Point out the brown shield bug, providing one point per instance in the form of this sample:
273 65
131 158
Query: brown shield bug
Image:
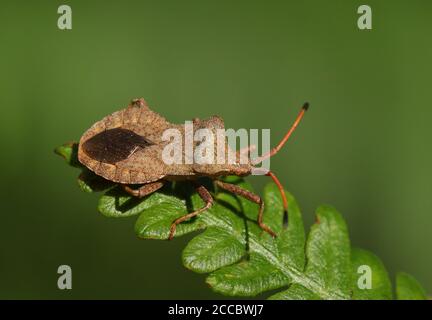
126 147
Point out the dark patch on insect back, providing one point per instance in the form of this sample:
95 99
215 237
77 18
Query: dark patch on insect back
114 145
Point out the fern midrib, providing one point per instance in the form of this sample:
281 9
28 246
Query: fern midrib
296 275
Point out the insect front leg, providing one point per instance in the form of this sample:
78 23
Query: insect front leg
283 196
282 193
251 197
208 199
145 189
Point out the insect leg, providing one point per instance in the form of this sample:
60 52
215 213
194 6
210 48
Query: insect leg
251 197
208 199
284 199
145 189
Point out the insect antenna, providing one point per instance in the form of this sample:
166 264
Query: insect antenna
276 149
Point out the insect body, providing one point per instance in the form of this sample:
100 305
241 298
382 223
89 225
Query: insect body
127 146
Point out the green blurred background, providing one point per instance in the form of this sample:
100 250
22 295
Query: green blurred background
364 147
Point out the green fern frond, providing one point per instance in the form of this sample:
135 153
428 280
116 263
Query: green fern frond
238 257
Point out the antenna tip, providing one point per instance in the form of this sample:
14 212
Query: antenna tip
305 106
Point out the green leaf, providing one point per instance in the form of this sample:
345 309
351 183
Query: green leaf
69 152
291 241
256 274
211 250
116 203
155 220
240 258
328 269
365 264
247 278
408 288
328 252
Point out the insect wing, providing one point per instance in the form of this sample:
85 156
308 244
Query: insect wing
114 145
